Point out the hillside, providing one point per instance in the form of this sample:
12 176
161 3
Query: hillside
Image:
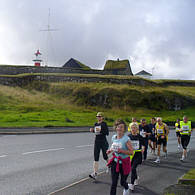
74 104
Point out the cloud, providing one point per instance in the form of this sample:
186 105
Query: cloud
150 34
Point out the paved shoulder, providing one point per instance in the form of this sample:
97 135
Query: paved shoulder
153 178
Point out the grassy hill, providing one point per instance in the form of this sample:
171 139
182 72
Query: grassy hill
75 104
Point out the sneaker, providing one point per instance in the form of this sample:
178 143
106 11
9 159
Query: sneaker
166 154
182 158
126 192
93 176
107 170
131 186
136 182
157 160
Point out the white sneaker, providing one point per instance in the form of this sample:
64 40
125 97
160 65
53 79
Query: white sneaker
178 147
107 170
131 186
157 160
166 154
182 158
126 192
93 176
136 182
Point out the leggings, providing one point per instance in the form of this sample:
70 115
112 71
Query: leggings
146 148
115 177
137 159
100 146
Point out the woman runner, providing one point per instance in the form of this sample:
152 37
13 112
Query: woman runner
138 144
120 162
101 131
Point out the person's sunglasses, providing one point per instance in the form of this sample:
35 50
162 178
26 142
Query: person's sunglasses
98 116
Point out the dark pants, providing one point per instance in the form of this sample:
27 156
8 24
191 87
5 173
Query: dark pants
137 160
100 146
146 148
185 139
115 177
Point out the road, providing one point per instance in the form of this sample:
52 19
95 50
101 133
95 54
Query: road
40 164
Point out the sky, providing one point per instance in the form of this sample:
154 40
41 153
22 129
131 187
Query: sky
155 35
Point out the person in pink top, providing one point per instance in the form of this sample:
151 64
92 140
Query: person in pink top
120 162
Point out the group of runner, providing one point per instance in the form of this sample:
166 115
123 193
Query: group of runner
130 149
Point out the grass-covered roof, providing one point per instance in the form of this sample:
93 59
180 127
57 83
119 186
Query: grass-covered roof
116 64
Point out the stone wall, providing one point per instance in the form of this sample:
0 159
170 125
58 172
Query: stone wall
21 80
15 80
14 70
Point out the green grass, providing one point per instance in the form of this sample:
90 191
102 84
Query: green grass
189 175
54 104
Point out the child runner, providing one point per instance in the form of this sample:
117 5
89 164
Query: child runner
120 162
138 144
101 131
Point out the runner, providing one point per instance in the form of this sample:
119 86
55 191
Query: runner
134 120
120 162
177 128
138 144
101 131
152 138
145 132
161 131
185 131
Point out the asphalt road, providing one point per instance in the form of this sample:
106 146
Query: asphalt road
40 164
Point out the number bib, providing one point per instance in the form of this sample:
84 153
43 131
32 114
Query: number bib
97 130
115 146
185 128
160 131
135 144
142 133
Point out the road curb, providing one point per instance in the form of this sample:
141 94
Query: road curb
73 184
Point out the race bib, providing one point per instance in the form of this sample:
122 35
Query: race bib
135 144
185 128
97 130
160 131
115 146
142 133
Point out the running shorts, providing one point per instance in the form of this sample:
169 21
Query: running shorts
162 141
152 138
185 139
178 134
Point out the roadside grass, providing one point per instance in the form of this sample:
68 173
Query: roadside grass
189 175
52 105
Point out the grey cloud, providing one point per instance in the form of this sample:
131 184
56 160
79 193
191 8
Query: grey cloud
90 31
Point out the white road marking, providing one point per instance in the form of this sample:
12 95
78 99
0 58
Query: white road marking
82 146
73 184
40 151
2 156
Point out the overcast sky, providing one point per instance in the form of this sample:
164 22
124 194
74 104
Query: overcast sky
157 34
